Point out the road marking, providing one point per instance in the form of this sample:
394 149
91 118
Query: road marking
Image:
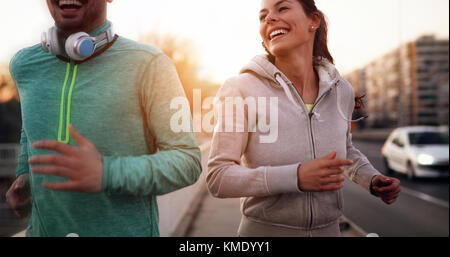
425 197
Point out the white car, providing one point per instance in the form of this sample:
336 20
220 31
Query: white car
417 151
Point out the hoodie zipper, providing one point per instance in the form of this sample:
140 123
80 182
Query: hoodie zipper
310 115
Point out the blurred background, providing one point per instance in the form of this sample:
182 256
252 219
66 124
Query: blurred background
396 52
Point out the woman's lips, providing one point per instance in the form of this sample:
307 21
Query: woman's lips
278 37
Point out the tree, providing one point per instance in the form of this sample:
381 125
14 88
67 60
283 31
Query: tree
10 119
8 90
184 55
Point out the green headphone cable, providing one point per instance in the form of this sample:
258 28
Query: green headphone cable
69 102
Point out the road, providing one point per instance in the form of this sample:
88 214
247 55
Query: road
421 210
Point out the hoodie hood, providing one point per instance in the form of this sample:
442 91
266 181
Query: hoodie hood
260 64
327 72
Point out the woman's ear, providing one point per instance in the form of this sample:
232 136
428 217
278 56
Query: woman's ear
316 20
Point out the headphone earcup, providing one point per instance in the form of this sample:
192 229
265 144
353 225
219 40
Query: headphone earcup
79 46
44 42
50 42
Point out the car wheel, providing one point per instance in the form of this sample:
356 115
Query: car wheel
386 165
411 173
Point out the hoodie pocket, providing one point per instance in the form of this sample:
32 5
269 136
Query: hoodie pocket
287 209
270 204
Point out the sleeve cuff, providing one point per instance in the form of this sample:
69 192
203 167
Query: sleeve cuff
371 188
282 179
106 175
364 176
21 172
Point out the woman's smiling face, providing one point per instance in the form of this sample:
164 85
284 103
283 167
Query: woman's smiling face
284 26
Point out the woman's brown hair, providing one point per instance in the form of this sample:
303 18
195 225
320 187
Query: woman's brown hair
320 41
321 37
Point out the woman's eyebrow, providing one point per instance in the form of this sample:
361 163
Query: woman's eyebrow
281 1
278 3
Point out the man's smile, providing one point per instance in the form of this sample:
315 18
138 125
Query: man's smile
69 8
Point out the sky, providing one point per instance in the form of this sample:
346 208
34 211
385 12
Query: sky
226 32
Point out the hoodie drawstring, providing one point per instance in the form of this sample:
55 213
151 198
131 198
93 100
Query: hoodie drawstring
286 89
338 100
288 93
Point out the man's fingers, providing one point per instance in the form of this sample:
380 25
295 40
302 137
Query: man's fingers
65 186
56 160
18 186
79 139
20 205
53 171
56 146
22 209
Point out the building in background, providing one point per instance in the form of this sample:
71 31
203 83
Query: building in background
407 86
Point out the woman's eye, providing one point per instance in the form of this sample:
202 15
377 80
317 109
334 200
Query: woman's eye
283 9
262 17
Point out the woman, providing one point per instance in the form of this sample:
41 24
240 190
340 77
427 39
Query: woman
292 186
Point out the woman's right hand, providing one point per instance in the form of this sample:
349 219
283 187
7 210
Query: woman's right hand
322 174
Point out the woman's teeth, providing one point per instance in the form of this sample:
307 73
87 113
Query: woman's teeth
277 32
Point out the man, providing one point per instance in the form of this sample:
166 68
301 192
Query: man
102 178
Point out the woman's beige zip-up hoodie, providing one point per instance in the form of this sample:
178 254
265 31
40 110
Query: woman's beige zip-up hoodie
265 175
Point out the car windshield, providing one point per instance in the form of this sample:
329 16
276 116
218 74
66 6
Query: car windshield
428 138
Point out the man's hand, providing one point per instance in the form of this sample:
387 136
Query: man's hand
388 189
322 174
82 166
19 196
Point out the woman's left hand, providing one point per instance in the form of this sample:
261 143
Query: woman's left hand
388 189
83 166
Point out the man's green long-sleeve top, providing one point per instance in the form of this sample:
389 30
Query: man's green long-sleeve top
120 101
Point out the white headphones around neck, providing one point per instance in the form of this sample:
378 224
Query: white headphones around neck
79 46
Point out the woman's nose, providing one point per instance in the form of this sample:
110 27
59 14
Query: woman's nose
271 18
